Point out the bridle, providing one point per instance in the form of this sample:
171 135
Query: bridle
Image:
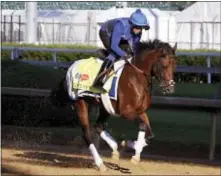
149 77
159 77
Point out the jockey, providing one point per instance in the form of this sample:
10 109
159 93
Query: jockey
120 37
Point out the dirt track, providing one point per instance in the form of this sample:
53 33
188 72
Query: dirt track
57 160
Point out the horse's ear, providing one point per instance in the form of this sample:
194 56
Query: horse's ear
175 48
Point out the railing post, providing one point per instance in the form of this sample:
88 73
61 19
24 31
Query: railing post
12 54
4 29
19 28
11 29
208 74
15 53
213 137
54 56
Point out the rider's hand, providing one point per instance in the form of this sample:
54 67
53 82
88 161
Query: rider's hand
110 57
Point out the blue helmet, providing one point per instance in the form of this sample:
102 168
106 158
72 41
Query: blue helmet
137 18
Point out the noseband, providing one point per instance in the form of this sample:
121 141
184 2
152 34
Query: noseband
159 78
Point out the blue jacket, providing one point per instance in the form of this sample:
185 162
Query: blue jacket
118 29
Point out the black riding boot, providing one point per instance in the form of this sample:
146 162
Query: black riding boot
107 65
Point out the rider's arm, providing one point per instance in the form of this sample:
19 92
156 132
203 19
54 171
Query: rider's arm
116 37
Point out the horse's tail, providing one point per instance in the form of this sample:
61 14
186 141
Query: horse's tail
59 95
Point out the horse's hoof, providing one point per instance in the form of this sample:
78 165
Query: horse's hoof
135 160
115 155
102 168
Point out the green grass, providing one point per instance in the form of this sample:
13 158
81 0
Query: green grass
193 90
16 74
184 126
187 127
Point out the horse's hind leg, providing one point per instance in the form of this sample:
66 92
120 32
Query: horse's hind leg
100 128
82 112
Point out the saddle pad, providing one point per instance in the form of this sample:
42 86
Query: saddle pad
105 96
84 73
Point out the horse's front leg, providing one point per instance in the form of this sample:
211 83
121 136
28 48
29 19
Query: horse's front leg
145 125
145 133
100 128
82 112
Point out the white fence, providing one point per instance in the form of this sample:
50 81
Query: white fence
199 35
82 27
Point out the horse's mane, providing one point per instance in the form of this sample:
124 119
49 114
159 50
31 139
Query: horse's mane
154 44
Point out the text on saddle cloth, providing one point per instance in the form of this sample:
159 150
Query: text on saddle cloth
84 74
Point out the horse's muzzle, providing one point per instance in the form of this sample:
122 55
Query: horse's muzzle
168 88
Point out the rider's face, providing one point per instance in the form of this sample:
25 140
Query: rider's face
137 30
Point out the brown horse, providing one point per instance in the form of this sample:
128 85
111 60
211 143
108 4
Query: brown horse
154 59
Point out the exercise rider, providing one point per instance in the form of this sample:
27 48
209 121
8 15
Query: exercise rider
120 37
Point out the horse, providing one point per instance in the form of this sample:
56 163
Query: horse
153 59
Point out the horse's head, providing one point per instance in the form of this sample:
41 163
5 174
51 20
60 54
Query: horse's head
163 69
159 61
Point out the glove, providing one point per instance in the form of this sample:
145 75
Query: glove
111 57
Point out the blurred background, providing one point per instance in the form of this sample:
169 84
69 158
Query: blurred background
194 25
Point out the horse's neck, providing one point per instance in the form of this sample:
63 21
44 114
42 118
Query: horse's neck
142 64
142 79
142 68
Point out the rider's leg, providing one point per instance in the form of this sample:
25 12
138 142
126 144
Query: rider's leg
105 67
105 39
109 61
107 64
